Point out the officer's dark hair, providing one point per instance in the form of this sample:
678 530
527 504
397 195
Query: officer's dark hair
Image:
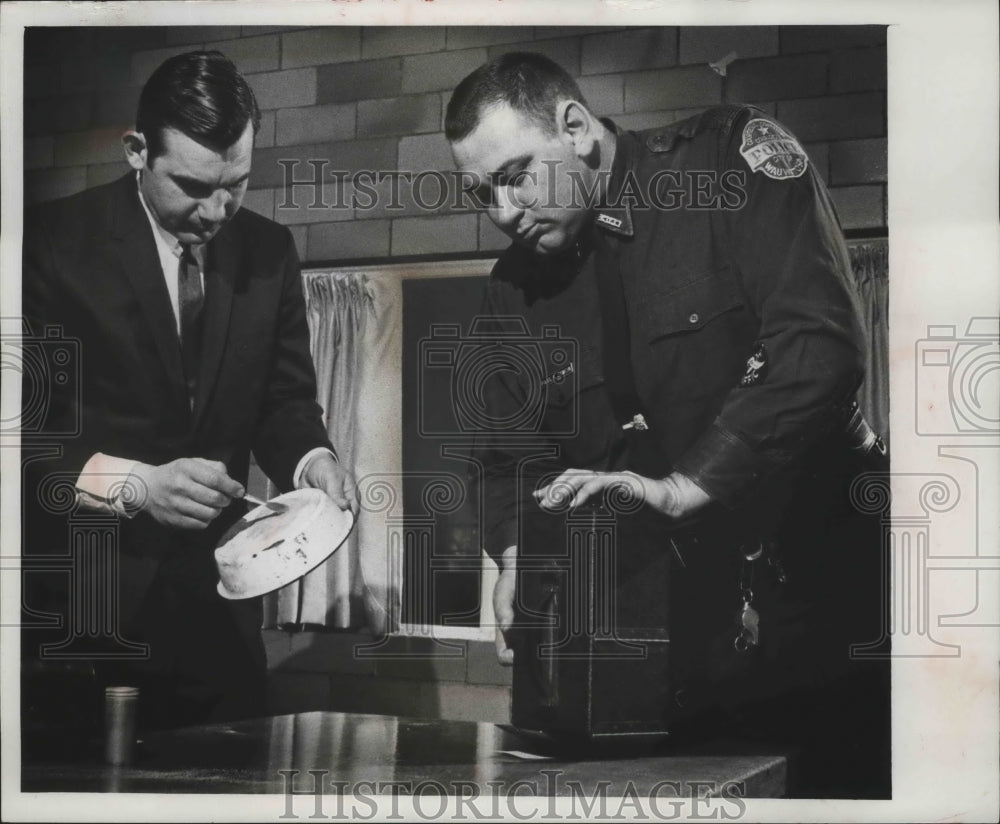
529 83
202 95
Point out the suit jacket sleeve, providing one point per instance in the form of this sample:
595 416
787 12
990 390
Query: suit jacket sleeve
52 407
290 421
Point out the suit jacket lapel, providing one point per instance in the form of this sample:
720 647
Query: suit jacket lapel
136 248
222 269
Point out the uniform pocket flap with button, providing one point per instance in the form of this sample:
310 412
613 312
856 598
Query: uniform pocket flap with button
689 307
584 373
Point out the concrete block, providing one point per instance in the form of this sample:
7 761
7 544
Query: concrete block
641 121
350 240
434 235
300 236
665 89
128 39
465 702
249 31
329 652
860 207
260 201
563 50
114 71
349 156
320 46
387 41
144 63
43 44
43 185
425 152
399 115
193 35
251 54
304 205
277 646
440 70
297 692
42 80
359 81
629 49
777 78
407 699
85 148
314 124
858 70
837 117
706 44
415 658
39 152
51 115
819 157
117 107
824 38
467 37
551 32
483 667
605 93
106 172
276 90
491 239
78 75
265 135
859 161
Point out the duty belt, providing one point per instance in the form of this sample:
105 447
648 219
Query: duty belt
860 436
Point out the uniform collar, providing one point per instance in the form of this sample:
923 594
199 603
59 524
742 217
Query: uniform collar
614 214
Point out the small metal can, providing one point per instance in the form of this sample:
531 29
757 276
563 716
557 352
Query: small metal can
121 705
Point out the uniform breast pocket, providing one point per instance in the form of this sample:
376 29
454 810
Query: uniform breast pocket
569 397
695 335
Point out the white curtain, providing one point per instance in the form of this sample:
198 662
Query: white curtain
355 328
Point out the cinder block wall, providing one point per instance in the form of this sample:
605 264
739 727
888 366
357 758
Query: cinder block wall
374 99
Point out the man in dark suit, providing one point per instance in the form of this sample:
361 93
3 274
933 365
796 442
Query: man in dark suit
194 352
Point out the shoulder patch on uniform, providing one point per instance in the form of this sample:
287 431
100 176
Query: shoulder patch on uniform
768 148
756 369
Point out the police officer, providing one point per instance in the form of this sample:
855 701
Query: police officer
701 272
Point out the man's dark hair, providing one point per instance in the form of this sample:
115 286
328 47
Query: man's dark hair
529 83
202 95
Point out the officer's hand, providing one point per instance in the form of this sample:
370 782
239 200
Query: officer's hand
186 494
675 496
324 472
503 604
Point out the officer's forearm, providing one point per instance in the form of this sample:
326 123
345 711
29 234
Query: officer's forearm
676 496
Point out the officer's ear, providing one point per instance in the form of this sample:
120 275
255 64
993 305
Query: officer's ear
136 149
575 125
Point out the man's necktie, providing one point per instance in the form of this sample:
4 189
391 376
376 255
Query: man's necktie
191 299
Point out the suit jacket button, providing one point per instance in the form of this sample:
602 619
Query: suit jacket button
694 317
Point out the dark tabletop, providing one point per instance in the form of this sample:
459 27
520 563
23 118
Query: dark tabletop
264 755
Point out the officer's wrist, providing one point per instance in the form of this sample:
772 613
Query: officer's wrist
682 496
